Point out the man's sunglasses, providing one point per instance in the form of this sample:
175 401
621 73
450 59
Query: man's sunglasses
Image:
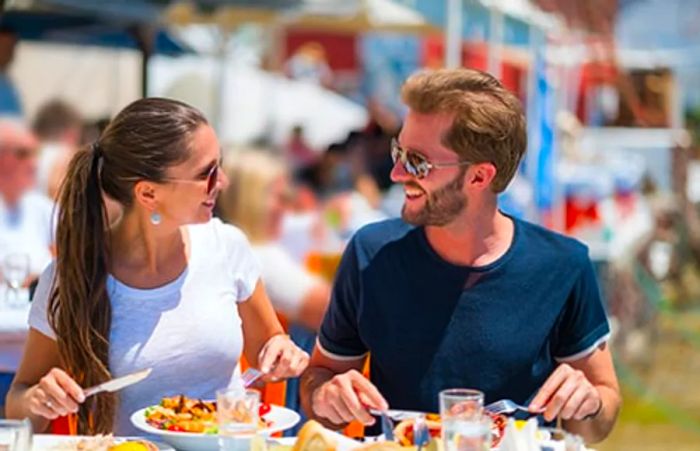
416 164
212 178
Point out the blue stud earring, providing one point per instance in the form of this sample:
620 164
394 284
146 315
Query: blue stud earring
155 218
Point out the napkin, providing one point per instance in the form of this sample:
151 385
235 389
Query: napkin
520 439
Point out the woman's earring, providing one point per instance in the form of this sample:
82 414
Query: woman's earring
155 218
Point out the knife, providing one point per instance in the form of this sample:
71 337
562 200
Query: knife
118 383
396 414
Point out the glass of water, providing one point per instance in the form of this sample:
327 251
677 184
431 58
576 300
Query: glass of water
237 416
467 435
15 435
15 270
464 425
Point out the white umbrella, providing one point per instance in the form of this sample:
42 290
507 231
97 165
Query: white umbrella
256 103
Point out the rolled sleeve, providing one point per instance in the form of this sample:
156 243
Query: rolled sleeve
583 325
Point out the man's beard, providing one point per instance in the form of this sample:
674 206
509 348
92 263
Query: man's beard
441 207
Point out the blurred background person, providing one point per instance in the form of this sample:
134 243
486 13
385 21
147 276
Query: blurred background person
310 63
92 130
25 215
59 128
256 200
298 153
25 225
10 103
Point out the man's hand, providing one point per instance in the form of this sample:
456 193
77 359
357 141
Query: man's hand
568 394
347 397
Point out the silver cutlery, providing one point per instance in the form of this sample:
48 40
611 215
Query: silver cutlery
397 414
510 406
250 375
118 383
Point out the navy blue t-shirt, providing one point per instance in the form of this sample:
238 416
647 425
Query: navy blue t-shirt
431 325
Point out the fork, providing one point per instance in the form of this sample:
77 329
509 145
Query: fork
509 406
249 376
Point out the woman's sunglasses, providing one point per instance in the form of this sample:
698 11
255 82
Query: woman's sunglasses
416 164
212 178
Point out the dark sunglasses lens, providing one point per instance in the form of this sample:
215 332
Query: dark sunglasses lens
213 178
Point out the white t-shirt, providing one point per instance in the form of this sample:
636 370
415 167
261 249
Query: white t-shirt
286 280
188 331
28 228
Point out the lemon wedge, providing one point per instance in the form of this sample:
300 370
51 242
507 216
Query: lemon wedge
129 446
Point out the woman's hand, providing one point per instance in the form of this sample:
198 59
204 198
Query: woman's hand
280 358
55 395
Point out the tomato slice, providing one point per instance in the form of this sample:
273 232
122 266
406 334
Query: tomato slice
264 409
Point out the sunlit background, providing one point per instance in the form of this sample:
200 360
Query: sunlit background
612 94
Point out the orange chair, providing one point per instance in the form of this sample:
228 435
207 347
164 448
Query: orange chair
64 425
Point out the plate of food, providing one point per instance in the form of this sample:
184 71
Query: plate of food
189 424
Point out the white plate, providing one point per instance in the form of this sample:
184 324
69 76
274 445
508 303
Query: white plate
280 417
48 442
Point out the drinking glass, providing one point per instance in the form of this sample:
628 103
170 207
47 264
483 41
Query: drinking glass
15 270
467 435
237 415
15 435
464 425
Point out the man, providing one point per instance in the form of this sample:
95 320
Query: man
456 294
25 224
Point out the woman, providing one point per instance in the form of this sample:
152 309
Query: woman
164 287
256 201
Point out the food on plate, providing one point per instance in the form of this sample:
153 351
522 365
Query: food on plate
404 430
183 414
106 443
498 428
134 445
314 437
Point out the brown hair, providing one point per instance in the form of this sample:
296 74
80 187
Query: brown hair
54 118
488 120
142 141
